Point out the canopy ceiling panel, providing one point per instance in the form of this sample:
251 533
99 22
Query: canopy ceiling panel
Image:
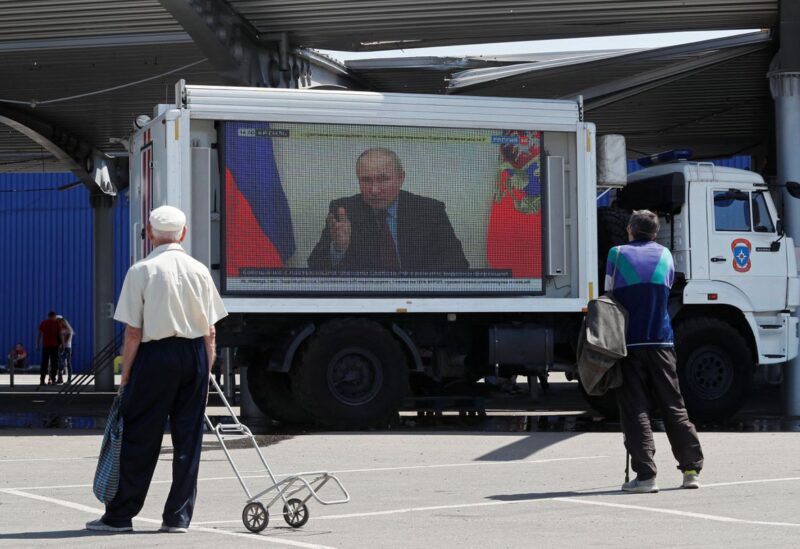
363 25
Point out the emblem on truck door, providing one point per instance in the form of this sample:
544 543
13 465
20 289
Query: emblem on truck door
741 248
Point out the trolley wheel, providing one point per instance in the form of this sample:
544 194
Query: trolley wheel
255 516
295 512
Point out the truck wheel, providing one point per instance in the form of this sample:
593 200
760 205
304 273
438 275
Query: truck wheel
272 393
352 374
611 231
715 368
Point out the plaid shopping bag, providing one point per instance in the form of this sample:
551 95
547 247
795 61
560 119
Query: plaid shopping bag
106 477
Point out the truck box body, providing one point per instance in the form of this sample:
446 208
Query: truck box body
506 172
370 246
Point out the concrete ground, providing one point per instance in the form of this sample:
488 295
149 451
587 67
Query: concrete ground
425 489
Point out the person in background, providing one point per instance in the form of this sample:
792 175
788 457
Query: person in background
48 340
640 274
17 360
169 305
65 349
18 357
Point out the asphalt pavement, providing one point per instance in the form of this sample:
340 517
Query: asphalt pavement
423 489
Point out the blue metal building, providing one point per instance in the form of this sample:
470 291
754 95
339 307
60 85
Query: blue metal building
46 251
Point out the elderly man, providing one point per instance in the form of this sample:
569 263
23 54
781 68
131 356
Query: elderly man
384 228
641 274
169 304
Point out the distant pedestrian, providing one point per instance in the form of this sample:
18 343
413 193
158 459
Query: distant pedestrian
65 350
641 274
48 340
169 304
17 360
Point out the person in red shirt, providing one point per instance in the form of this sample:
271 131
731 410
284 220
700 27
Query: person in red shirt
48 339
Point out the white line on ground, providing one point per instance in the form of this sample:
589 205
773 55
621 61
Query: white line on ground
373 470
704 516
734 483
98 512
570 499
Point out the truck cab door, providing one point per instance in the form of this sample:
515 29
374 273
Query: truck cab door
741 232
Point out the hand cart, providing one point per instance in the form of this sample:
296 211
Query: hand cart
305 486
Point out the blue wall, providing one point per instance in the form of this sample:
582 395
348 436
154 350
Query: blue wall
741 162
46 253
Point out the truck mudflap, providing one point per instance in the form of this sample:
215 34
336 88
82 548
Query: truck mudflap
793 338
776 337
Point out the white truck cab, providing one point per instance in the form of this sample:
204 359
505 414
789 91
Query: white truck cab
736 277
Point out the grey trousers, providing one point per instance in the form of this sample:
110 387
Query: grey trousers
650 380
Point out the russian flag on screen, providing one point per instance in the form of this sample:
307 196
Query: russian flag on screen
514 238
258 222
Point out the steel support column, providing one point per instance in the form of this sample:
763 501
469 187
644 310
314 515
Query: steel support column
103 282
784 79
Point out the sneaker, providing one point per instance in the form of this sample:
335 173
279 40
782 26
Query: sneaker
690 479
98 525
173 529
637 486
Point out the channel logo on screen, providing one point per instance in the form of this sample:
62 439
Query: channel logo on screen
507 140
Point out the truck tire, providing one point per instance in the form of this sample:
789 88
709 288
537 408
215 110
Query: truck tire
715 368
272 393
352 374
612 231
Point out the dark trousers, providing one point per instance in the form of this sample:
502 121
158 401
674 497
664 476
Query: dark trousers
169 380
65 364
49 365
649 379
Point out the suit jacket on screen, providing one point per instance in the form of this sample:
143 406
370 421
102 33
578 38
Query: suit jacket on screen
425 239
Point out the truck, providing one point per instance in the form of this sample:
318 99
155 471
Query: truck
374 246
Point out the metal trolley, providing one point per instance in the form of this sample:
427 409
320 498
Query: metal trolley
304 486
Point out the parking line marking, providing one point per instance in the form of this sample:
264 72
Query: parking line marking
736 482
517 502
98 511
373 470
469 464
689 514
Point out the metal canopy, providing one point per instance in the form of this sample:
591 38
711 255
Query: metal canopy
364 25
711 96
52 49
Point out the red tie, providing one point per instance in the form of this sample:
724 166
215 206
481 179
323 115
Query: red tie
387 249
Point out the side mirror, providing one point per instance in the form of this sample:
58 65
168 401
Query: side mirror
794 188
779 227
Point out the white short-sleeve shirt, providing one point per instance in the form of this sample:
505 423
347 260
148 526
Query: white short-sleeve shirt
169 294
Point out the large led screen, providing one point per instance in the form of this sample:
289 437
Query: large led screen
380 210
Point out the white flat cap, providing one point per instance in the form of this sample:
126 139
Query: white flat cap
167 219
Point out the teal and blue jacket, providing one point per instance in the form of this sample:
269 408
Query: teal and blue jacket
641 274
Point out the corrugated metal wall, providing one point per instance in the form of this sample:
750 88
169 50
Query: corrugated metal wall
46 253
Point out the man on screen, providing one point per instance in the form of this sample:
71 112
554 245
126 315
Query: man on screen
384 228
